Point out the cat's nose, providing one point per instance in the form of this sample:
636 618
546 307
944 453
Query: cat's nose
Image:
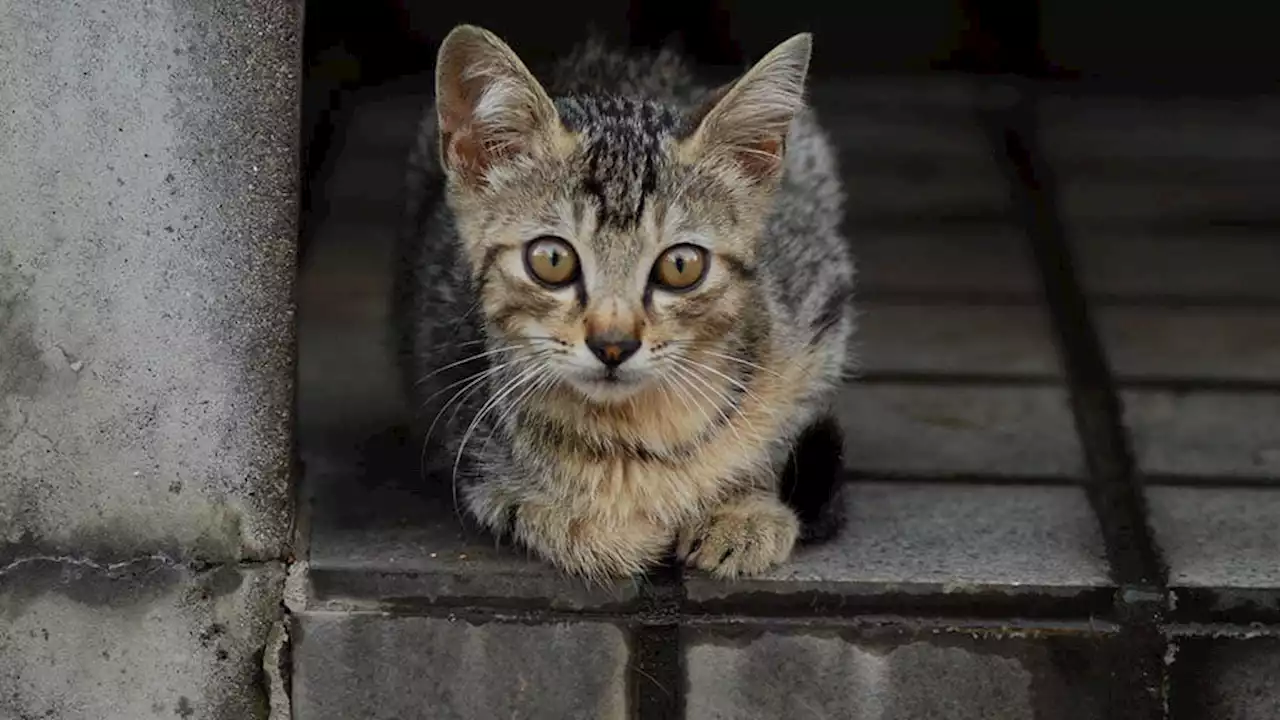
612 348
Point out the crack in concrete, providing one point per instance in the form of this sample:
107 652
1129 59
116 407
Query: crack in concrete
86 562
154 558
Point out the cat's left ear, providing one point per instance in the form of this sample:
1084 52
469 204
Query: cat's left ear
490 107
748 122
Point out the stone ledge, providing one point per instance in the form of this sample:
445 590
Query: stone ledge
937 545
385 538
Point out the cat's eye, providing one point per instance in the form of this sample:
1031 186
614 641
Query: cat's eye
680 268
551 261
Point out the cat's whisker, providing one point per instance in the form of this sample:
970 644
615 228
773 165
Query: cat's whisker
479 374
667 386
664 384
733 381
474 388
469 359
542 385
694 373
718 407
500 395
731 358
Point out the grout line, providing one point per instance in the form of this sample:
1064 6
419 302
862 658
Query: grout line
656 668
945 378
1115 491
1121 381
862 476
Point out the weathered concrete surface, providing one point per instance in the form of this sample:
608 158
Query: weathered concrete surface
134 641
372 666
147 187
749 674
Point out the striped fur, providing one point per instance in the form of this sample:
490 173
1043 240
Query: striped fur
622 157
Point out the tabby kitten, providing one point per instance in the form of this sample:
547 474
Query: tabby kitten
624 306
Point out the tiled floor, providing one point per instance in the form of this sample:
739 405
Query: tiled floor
1065 509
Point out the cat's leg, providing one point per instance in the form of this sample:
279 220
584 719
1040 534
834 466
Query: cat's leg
573 536
590 545
755 531
746 535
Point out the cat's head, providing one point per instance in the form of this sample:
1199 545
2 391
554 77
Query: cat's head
614 240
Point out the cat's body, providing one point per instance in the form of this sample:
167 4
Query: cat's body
616 187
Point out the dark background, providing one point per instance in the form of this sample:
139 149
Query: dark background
1132 47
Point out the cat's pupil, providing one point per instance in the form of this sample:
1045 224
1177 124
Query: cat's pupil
680 265
555 258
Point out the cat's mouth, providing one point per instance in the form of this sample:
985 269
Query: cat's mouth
609 384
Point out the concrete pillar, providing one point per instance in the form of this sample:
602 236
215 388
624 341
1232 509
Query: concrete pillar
148 185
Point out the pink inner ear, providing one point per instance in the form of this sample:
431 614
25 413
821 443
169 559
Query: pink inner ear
762 159
466 152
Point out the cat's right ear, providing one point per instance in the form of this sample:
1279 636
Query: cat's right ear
490 107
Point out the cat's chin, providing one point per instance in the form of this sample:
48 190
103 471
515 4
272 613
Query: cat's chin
608 390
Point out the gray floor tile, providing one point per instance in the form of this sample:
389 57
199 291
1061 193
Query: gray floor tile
1206 266
1226 537
1120 128
990 260
377 667
1018 431
785 674
923 538
1161 198
1192 343
980 339
913 190
1205 433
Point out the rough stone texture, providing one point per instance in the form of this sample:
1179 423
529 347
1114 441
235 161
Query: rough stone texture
1226 679
380 533
953 538
1190 342
146 268
134 641
377 667
1178 264
783 675
1003 340
1218 537
1205 433
933 429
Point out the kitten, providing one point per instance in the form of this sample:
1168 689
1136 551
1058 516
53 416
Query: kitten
623 306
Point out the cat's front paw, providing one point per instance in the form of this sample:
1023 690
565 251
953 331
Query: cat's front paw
745 536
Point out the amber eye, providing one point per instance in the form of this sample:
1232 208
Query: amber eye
551 261
680 268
